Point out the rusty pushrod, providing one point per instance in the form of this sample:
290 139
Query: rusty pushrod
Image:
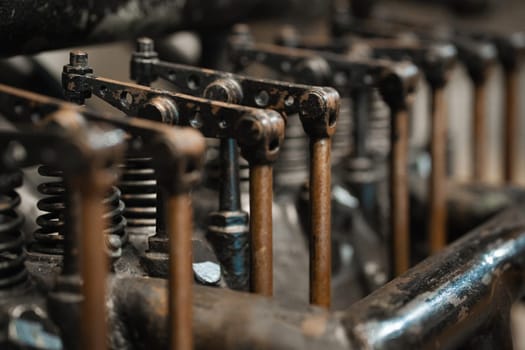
261 182
438 175
179 218
94 266
320 226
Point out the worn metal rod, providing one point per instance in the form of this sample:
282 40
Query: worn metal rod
261 183
479 131
320 214
438 175
399 206
511 124
179 218
94 267
229 193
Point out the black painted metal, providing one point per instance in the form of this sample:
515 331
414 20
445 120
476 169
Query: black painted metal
32 26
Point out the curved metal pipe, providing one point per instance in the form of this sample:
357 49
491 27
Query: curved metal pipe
460 295
450 297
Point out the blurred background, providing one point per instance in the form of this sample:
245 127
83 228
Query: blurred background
266 18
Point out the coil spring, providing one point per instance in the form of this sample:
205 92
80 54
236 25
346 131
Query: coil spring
291 168
341 142
139 193
116 233
379 138
50 236
12 251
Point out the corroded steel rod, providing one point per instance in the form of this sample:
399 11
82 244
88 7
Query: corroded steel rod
261 182
320 240
438 176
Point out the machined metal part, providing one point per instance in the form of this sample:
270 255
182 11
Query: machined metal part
396 82
477 55
316 106
259 134
84 160
165 287
436 62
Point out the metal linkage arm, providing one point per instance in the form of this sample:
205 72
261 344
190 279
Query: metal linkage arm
436 62
478 56
396 82
259 134
319 126
316 106
212 118
284 97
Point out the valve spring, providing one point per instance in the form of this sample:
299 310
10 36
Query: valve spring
12 250
341 142
139 193
49 237
291 167
379 140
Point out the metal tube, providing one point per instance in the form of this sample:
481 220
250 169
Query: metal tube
479 131
320 215
179 219
229 196
261 182
438 176
461 294
399 211
94 267
511 124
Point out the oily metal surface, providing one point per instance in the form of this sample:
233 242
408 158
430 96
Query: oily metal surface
457 295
